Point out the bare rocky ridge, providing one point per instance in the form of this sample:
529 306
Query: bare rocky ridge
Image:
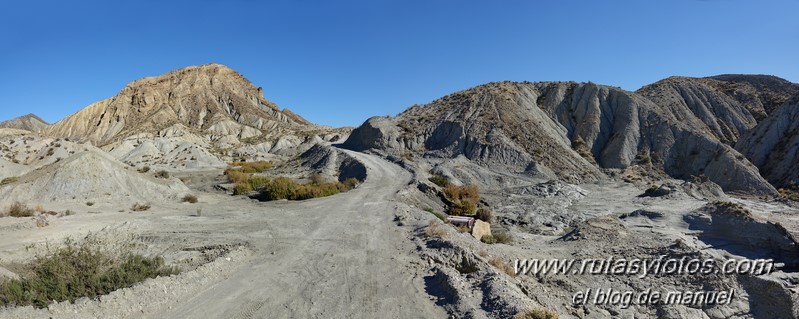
773 145
559 130
725 106
28 122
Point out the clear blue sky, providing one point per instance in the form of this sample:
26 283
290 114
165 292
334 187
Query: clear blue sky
340 62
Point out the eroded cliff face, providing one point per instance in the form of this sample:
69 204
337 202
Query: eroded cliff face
726 106
204 98
773 145
562 128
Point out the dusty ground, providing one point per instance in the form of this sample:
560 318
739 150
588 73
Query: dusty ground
335 257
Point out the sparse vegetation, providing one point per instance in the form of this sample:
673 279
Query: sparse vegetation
89 203
18 209
497 238
582 148
464 199
144 169
485 215
9 180
538 313
162 174
434 229
502 266
75 271
438 215
439 180
190 198
251 167
790 192
285 188
140 207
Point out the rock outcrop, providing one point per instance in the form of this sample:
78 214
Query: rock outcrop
28 122
565 129
209 99
773 145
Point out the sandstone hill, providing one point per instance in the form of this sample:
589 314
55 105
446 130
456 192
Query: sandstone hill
725 106
28 122
564 129
210 99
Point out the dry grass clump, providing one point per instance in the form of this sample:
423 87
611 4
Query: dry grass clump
730 208
538 313
76 271
502 266
464 199
435 229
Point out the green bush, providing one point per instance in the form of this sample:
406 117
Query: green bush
77 271
279 188
144 169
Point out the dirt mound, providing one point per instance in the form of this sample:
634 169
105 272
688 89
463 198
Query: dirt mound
89 175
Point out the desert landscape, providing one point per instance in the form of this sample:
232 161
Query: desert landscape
191 195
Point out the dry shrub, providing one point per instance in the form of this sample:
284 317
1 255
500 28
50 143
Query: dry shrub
236 176
503 266
485 215
190 198
18 210
285 188
252 167
464 199
435 229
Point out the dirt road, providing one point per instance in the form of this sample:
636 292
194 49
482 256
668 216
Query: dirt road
335 257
